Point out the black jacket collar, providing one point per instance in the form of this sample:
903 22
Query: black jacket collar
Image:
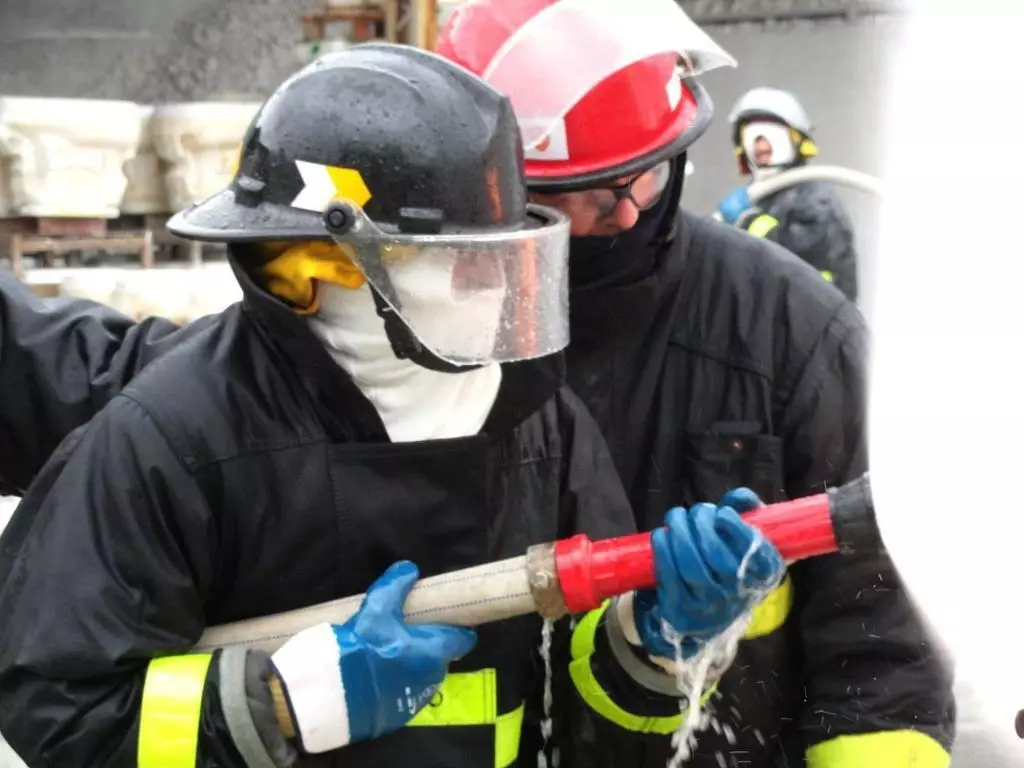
601 314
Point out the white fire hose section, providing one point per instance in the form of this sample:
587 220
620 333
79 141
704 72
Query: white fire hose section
844 177
467 598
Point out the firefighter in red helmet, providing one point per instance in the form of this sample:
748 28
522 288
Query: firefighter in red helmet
711 359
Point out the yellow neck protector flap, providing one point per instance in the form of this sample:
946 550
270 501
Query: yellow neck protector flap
293 275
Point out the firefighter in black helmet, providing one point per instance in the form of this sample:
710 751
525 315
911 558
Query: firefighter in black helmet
388 392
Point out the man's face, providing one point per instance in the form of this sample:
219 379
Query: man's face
762 151
611 209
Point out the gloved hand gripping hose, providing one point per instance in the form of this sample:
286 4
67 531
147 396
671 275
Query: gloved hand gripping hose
576 575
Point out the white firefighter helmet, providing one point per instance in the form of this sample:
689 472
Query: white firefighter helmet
771 103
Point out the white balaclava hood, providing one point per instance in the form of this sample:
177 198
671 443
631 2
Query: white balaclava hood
413 402
760 135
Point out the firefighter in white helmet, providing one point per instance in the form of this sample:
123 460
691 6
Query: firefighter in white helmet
771 133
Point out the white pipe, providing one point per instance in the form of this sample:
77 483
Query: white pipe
844 177
469 597
835 174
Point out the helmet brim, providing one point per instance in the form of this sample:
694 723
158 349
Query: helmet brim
221 218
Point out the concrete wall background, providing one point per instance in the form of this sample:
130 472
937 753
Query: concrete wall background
148 50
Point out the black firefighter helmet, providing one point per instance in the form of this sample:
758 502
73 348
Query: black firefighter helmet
414 166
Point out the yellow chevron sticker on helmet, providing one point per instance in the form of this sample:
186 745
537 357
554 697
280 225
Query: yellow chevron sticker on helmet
324 183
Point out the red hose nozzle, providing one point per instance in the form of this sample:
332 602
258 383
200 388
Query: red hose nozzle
841 520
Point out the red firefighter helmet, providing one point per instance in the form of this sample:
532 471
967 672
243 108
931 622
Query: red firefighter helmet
602 89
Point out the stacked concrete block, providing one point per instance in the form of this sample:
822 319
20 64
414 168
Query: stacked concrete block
99 159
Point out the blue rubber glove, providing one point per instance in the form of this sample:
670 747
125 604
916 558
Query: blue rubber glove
370 675
734 204
697 557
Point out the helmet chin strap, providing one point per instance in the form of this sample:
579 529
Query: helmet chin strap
406 346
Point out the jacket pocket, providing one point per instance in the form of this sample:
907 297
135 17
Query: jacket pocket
727 456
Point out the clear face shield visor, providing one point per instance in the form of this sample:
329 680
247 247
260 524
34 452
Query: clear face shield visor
576 44
472 298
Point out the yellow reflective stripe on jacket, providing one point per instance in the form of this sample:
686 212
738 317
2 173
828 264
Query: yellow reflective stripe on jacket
172 702
765 223
595 697
883 749
471 698
772 612
762 225
506 737
464 698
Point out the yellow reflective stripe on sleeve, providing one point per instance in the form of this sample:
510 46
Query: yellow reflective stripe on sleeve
506 737
772 612
172 702
471 698
762 225
595 697
884 749
585 634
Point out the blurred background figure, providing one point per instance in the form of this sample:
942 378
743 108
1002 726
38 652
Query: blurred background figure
771 133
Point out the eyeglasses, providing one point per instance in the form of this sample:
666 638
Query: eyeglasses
644 190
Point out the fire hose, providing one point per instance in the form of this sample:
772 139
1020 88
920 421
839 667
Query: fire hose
576 575
844 177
